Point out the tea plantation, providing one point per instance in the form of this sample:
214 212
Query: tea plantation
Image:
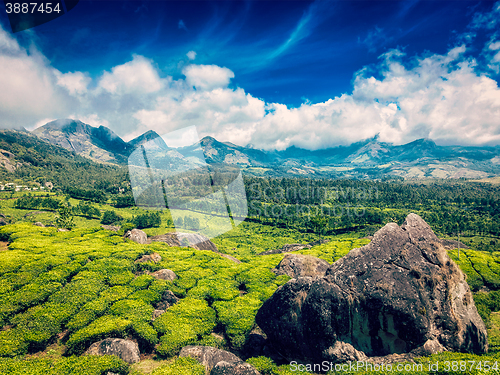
60 291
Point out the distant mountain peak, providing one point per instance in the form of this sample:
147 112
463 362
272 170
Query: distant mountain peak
100 144
143 138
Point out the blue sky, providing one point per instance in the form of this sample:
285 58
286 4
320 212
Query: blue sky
312 74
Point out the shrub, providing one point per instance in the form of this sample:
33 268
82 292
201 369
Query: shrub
264 365
86 365
181 366
88 313
147 335
238 317
141 282
105 326
12 343
126 227
183 324
133 309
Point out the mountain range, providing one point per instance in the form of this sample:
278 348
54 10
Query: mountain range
369 158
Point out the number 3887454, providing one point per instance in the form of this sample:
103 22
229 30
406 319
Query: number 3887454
32 8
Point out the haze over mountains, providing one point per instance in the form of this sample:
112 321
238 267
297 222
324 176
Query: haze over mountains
369 158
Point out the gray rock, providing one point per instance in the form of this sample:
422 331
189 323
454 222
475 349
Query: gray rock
255 343
401 293
167 299
208 356
127 350
230 368
3 221
453 244
164 274
157 314
155 257
114 228
286 249
295 265
136 235
194 240
318 242
39 224
231 258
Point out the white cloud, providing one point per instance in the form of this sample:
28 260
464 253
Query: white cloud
191 55
136 76
75 83
91 119
207 77
441 97
29 90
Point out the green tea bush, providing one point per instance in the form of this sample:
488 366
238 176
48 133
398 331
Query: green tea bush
215 289
142 282
133 309
146 335
91 311
184 323
34 293
40 323
147 296
86 365
12 343
105 326
116 293
181 366
264 365
238 317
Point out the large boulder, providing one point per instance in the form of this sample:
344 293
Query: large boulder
137 235
295 265
195 240
401 293
125 349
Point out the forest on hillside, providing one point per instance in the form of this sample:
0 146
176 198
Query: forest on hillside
63 290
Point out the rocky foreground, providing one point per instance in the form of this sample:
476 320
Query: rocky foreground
400 294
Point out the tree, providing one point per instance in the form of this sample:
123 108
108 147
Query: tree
319 224
110 217
65 218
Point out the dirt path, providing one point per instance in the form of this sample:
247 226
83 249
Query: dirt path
3 246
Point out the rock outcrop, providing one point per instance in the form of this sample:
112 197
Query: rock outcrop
137 235
125 349
208 356
218 361
296 265
231 368
453 244
401 293
286 249
195 240
167 299
164 274
155 257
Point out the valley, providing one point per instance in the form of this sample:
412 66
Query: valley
70 277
